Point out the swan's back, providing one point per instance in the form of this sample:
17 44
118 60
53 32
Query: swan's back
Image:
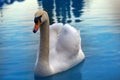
55 30
65 48
68 40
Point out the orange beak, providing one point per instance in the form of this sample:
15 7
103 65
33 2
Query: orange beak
36 27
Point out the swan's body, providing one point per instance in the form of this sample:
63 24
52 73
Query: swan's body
60 48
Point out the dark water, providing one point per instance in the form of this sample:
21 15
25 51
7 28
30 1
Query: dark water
98 20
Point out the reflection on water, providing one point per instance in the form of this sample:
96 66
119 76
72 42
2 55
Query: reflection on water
6 2
72 74
16 41
98 20
65 11
3 2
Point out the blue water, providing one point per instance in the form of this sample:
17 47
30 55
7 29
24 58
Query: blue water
98 20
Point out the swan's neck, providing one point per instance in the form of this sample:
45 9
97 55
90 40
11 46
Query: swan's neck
44 42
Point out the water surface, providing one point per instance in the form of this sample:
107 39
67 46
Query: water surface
98 21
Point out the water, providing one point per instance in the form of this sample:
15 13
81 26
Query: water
98 20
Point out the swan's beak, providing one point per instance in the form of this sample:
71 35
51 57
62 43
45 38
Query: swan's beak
36 27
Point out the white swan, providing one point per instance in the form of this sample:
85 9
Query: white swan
60 46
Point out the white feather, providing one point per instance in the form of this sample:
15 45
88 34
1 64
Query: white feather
65 47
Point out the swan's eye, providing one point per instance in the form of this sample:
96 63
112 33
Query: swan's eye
37 18
35 21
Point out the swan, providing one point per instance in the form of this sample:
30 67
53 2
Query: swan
60 46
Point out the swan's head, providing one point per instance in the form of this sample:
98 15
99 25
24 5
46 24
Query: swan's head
41 16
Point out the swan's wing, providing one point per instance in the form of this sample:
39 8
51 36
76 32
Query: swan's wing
68 43
65 51
55 29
